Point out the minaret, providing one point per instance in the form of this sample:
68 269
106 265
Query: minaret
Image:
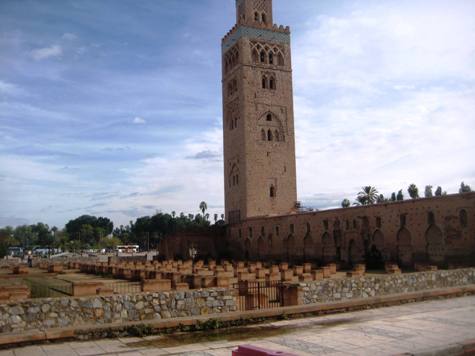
258 115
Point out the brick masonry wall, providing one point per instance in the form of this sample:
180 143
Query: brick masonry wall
340 235
41 314
333 290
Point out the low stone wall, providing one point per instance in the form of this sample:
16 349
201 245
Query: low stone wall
332 290
42 314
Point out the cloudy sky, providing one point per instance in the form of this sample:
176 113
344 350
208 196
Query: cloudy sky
113 108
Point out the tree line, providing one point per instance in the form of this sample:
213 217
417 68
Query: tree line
369 195
90 232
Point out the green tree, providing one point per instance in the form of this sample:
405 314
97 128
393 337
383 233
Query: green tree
464 188
6 240
400 196
428 191
438 191
109 243
413 191
381 199
94 230
345 203
25 235
367 196
393 196
203 207
44 234
61 240
86 235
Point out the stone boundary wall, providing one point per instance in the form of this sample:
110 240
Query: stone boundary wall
50 313
332 290
42 314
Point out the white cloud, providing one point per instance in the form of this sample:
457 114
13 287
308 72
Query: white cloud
384 97
47 52
139 121
11 89
69 36
174 182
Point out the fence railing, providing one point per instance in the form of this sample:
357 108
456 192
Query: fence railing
49 288
260 295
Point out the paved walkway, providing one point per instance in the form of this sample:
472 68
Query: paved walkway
419 328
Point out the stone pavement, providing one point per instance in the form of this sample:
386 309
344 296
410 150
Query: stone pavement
433 327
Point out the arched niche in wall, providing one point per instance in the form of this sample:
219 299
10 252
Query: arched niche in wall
289 245
328 248
404 248
247 249
375 258
435 245
261 248
308 247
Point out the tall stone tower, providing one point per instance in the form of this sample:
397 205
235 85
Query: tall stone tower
258 115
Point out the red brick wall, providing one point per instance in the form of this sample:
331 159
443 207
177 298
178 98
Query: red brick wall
434 231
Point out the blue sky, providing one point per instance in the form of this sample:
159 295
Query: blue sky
114 107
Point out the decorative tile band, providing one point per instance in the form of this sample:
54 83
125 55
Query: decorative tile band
255 34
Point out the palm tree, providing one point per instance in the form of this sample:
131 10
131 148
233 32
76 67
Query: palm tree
203 207
345 203
367 196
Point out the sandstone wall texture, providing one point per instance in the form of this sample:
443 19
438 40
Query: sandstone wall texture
49 313
42 314
333 290
439 231
258 115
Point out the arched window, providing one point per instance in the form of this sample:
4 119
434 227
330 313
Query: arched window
264 82
277 136
263 56
269 135
256 16
255 56
271 57
463 218
235 122
280 59
264 18
272 191
269 117
237 179
263 135
272 83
